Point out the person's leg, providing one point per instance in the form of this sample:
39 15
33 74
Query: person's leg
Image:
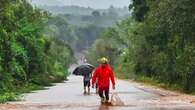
100 92
88 87
85 84
88 90
96 88
107 94
85 91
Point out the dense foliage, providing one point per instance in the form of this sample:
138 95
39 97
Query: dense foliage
157 41
59 27
27 57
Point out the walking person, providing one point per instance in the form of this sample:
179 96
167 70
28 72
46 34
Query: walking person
103 74
85 70
86 82
86 78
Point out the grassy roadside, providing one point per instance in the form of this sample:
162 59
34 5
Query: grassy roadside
150 81
15 94
157 83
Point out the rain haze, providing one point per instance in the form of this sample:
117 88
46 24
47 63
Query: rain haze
97 4
100 14
97 55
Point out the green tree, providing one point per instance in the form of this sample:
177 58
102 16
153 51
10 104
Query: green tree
139 9
25 52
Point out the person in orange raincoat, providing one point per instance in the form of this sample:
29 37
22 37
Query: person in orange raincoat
103 74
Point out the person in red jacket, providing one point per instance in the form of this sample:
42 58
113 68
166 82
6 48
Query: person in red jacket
103 74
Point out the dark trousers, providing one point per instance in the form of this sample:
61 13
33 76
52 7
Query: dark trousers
104 92
86 83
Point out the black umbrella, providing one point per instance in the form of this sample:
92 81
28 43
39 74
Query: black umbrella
85 69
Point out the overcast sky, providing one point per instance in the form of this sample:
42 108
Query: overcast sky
85 3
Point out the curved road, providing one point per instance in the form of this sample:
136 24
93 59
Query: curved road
68 96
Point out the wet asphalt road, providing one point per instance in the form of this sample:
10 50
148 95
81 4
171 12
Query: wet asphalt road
69 96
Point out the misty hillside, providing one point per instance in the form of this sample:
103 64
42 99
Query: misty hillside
81 16
77 10
79 26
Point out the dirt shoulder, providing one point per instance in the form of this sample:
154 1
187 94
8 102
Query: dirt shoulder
165 95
